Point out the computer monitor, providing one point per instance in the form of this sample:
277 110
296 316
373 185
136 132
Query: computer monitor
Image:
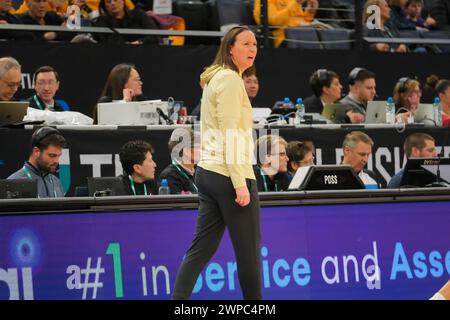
105 186
13 111
422 172
376 112
326 177
18 188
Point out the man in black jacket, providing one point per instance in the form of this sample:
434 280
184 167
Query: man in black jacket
38 14
326 88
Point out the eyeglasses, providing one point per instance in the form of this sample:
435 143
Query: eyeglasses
13 85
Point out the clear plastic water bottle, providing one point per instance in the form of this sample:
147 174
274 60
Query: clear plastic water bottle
437 108
390 111
300 112
164 188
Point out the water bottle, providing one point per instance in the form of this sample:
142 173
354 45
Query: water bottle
175 113
287 103
300 112
390 111
164 188
437 112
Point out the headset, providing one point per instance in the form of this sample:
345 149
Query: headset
402 82
42 133
322 75
353 75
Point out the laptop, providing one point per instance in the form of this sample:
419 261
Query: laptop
18 188
131 113
13 111
425 114
376 112
335 112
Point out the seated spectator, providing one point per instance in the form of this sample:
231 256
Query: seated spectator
300 154
39 14
184 148
398 16
362 90
137 162
251 84
407 96
10 78
443 90
6 17
46 149
46 84
440 11
164 21
326 88
413 9
114 14
286 13
416 145
123 84
60 6
271 171
357 147
383 30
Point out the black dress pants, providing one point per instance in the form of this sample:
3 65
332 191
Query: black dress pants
217 210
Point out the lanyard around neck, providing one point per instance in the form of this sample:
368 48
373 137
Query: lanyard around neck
266 188
38 103
133 187
28 173
184 174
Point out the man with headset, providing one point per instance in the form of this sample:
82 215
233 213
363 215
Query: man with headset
362 90
326 88
42 165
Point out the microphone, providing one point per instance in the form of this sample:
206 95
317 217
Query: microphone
164 116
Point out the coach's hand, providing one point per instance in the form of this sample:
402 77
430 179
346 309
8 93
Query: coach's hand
242 196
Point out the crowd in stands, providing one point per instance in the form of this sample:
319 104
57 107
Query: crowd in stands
392 18
111 14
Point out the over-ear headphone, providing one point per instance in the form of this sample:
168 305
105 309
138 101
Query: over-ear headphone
322 75
353 75
402 84
42 133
